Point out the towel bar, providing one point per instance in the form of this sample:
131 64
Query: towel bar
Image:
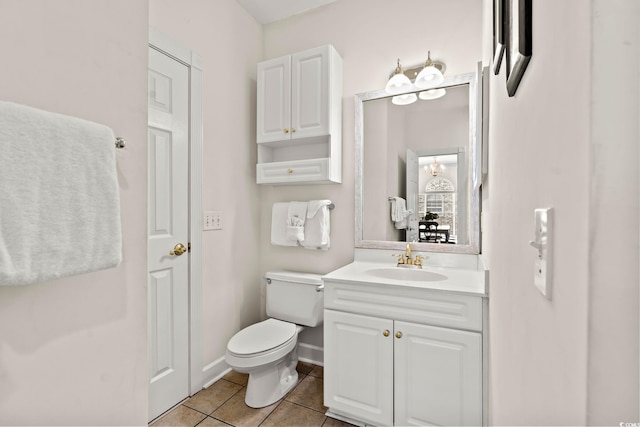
120 142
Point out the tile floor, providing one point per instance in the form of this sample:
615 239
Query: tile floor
222 404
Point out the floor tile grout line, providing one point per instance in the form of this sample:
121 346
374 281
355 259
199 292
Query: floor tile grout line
272 411
218 407
306 407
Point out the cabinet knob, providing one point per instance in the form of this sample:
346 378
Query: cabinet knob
285 130
293 129
386 333
289 170
398 334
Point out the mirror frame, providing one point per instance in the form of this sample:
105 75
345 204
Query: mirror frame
475 132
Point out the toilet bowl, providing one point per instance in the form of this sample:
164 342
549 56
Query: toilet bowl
267 350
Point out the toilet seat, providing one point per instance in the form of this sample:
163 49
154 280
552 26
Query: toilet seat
261 343
261 337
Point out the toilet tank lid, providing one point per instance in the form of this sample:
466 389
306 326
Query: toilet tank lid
295 276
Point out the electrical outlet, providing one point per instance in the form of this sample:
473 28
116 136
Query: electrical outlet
212 220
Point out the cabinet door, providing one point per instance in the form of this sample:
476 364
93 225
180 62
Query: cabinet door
274 100
310 93
358 366
438 376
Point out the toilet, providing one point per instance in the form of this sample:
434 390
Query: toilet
267 350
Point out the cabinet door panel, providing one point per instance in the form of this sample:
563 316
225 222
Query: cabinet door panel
310 93
438 376
358 366
274 100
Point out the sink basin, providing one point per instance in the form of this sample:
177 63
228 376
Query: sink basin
413 275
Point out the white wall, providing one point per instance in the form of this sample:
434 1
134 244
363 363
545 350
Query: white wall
230 44
614 188
74 351
369 41
560 142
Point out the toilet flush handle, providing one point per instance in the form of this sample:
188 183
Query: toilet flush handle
320 288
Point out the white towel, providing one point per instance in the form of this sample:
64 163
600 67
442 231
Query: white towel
60 202
399 212
279 214
317 228
296 215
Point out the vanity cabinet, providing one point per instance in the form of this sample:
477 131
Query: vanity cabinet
299 118
403 358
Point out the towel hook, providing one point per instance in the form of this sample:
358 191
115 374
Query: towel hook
120 142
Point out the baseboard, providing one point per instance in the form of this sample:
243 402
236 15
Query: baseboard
311 354
214 371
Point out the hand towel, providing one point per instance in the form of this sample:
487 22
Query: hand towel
60 209
317 228
279 215
296 215
399 212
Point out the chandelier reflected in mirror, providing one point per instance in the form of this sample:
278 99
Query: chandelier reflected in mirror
435 168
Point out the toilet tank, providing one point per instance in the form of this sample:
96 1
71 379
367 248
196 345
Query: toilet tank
295 297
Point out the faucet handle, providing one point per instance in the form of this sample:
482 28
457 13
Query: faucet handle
400 258
418 260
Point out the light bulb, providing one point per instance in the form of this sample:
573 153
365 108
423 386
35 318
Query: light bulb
406 99
429 77
432 94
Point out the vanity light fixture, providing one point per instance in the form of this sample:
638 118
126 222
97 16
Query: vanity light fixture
399 82
432 94
406 99
431 75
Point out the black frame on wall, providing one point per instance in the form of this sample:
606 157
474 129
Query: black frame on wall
512 38
499 31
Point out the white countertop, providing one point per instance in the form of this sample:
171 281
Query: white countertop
465 280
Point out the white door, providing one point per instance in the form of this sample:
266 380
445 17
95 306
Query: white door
358 366
438 376
168 305
413 175
274 100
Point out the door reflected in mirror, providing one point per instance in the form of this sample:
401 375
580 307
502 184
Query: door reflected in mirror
437 212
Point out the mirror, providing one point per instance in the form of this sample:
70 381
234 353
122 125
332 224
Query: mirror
424 157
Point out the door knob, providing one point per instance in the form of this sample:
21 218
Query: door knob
178 250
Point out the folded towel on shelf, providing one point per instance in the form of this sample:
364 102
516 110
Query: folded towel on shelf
296 216
399 212
60 210
318 225
279 216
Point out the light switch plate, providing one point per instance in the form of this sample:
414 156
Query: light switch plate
543 242
212 220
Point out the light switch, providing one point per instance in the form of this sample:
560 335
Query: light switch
543 243
212 220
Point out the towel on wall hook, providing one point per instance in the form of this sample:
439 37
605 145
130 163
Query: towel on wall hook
60 210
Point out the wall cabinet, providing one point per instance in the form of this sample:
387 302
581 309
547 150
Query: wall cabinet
299 118
394 359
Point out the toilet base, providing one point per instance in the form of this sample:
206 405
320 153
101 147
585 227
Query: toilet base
268 385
